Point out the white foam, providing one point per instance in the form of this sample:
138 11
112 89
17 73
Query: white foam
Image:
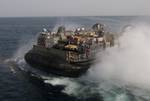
71 87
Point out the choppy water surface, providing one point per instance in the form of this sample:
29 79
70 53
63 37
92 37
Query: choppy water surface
121 74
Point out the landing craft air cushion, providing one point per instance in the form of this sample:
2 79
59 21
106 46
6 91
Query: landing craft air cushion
68 53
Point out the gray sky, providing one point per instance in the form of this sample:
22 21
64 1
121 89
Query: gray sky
13 8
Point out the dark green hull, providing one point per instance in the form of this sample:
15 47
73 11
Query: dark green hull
54 61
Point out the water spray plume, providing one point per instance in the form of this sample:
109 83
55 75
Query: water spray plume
128 64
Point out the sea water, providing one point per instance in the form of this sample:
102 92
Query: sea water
120 74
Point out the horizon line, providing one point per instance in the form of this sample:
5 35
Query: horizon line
74 16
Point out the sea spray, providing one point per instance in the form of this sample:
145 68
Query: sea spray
25 47
128 63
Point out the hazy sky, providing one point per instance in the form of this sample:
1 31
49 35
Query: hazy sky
73 7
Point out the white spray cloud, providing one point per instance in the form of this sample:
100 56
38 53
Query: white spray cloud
128 64
23 48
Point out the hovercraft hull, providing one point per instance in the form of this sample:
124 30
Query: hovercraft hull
54 61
